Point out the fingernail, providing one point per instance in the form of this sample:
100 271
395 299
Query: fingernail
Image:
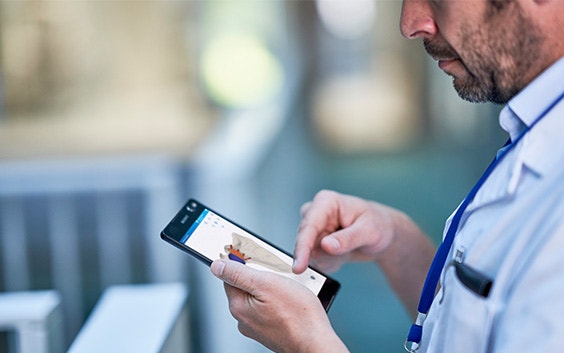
217 268
332 243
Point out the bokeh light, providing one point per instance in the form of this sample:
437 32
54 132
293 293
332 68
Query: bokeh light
238 70
347 19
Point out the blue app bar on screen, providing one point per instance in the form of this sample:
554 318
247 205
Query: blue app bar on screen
194 226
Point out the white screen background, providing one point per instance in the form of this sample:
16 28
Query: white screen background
214 233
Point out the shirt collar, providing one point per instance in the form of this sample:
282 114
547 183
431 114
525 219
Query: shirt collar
527 106
534 153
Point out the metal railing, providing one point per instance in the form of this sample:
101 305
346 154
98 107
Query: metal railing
80 226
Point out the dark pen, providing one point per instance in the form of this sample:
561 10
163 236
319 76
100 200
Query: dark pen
472 279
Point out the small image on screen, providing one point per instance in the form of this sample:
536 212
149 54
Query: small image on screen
215 238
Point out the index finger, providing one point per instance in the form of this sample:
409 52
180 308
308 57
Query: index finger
314 225
305 242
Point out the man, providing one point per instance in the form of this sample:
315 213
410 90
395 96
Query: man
509 231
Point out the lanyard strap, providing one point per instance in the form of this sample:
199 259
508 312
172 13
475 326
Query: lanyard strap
432 280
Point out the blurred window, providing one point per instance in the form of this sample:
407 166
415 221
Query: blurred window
368 90
100 77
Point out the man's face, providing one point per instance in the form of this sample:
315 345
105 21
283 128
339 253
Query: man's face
488 49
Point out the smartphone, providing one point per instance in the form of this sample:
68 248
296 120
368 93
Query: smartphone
207 235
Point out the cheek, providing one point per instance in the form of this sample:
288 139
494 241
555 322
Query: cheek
476 49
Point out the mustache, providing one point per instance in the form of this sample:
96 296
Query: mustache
439 50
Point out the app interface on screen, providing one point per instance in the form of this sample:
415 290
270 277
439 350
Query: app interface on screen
214 237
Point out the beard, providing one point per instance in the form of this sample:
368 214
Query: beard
497 55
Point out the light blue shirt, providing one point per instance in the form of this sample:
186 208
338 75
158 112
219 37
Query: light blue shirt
513 232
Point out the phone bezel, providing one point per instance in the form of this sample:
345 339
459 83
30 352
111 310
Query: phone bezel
189 213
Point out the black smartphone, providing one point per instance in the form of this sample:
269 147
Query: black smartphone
207 235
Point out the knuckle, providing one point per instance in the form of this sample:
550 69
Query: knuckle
305 225
234 271
324 194
305 208
235 275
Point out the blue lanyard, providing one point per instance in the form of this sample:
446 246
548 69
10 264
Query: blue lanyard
432 280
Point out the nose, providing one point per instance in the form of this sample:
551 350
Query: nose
417 19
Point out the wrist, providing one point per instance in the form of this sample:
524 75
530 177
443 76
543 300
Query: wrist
406 260
402 233
325 343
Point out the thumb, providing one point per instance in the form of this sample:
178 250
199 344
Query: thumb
235 274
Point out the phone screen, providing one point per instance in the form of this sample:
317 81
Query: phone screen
214 237
208 236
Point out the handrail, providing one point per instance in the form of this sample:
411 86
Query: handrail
149 318
36 318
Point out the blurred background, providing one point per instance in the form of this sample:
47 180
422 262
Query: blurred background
113 113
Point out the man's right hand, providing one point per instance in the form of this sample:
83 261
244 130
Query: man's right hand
337 228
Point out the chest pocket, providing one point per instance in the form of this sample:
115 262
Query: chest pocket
461 319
